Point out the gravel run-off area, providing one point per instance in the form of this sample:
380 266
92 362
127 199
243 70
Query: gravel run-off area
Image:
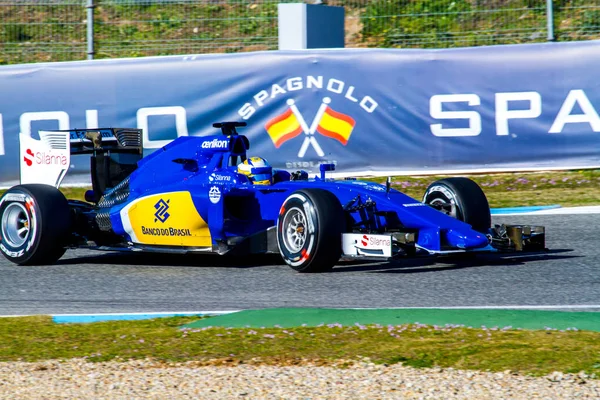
146 379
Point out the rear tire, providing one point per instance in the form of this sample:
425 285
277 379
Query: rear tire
309 230
462 199
35 221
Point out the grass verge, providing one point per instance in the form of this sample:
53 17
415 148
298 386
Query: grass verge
495 349
567 188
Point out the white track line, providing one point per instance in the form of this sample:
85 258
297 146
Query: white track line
559 211
178 313
153 313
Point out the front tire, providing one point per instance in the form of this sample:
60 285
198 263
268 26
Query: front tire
462 199
309 230
35 220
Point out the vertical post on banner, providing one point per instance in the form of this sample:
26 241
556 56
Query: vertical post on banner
1 136
310 26
550 20
90 29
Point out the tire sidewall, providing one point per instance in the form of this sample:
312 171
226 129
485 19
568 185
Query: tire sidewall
301 257
24 252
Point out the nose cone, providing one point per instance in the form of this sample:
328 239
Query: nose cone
466 239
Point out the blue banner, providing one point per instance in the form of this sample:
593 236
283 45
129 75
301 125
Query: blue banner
369 111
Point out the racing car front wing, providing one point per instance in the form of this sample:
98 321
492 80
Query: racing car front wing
502 238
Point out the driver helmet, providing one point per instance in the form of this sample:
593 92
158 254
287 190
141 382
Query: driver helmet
257 169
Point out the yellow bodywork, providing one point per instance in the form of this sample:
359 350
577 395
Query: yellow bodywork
166 219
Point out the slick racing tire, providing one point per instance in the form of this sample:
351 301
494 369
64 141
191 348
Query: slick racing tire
309 230
462 199
34 222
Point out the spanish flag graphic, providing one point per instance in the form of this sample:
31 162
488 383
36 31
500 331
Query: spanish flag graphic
283 127
336 125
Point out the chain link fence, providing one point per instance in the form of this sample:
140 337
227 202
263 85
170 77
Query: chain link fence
57 30
42 30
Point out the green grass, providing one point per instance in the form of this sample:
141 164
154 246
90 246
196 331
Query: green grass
566 188
527 352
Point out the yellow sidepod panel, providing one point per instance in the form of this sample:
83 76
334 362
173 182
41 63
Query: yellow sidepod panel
166 219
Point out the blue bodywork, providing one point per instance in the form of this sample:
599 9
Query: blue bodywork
197 164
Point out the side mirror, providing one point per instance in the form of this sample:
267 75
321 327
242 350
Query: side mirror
324 168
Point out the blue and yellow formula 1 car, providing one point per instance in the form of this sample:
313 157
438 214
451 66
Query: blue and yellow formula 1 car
191 196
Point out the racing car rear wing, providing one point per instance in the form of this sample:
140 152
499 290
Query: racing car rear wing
89 141
46 160
114 155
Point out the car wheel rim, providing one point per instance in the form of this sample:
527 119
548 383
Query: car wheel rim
444 206
16 225
294 224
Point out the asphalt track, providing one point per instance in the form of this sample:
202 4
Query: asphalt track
565 278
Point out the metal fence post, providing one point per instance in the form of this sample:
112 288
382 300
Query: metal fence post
90 29
550 20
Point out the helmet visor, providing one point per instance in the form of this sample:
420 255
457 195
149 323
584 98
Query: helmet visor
262 178
261 170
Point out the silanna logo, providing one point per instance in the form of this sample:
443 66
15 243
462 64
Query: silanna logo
28 158
161 213
43 158
327 122
364 240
